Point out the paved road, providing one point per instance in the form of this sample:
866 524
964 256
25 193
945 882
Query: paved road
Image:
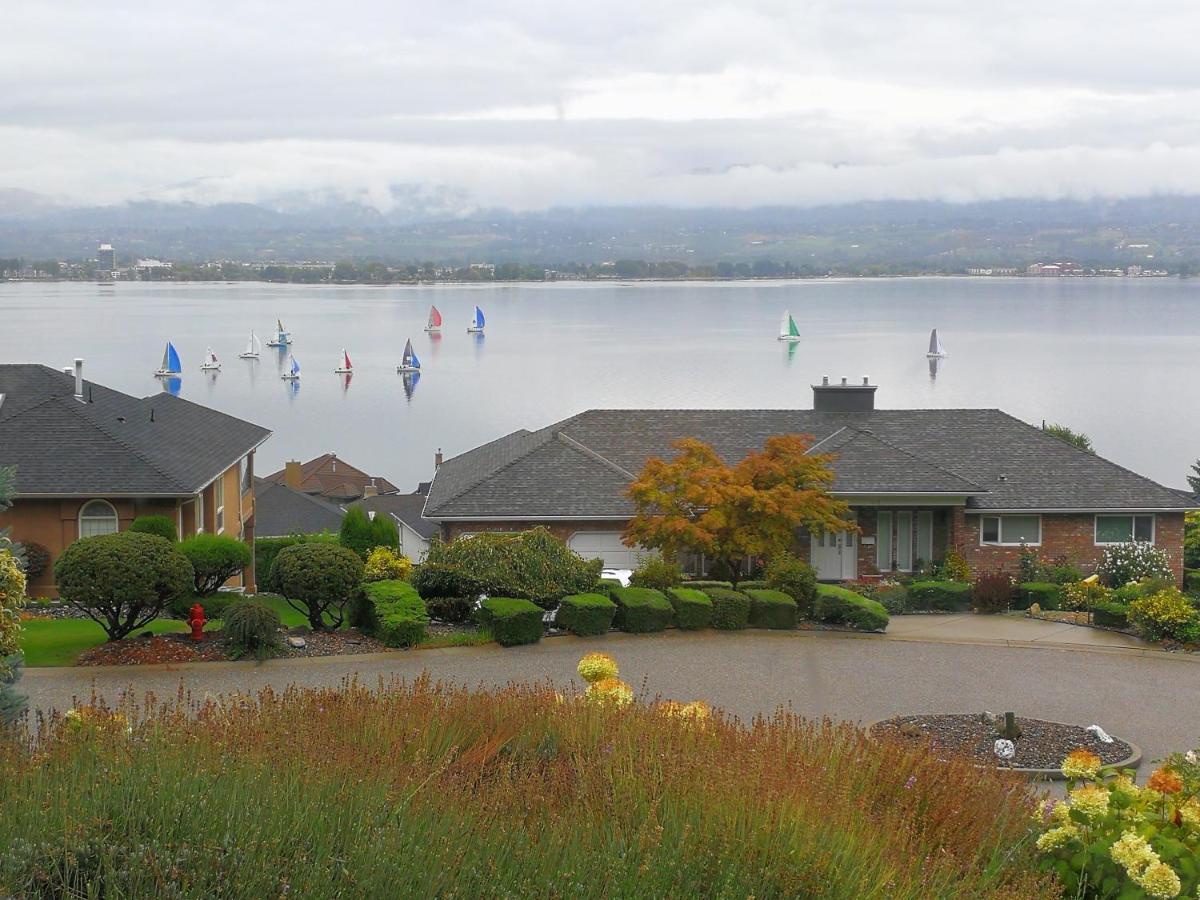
1148 697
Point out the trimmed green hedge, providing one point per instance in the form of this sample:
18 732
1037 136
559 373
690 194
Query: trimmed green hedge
731 610
771 609
944 596
836 604
754 585
1044 593
705 585
1191 581
267 548
604 585
512 621
585 614
1111 614
693 608
641 610
399 612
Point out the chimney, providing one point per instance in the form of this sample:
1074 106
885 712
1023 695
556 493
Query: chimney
844 397
79 379
370 489
437 459
291 474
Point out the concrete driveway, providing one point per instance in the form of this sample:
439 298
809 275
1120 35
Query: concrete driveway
926 664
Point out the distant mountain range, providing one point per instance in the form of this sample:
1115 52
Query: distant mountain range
892 236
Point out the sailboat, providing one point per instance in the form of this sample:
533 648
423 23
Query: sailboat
409 362
435 320
211 363
787 328
477 323
936 350
345 368
253 347
170 364
282 338
293 372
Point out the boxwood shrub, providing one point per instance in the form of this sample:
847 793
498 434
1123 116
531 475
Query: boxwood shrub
1191 581
511 621
399 612
1111 614
585 614
731 610
753 585
836 604
943 596
1044 593
640 610
604 585
705 585
693 608
771 609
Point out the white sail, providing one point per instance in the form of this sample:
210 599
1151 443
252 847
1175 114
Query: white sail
935 345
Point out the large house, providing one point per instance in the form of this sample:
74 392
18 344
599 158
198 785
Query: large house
91 459
331 478
919 482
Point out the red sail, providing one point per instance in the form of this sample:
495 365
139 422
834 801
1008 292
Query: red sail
347 356
435 317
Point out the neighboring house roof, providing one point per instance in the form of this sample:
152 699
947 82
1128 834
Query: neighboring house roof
581 467
332 477
111 443
405 507
280 511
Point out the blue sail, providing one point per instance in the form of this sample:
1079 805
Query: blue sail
295 366
173 359
479 323
414 361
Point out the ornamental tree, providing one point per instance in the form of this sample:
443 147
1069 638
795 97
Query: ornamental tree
698 503
215 558
1069 436
317 579
123 580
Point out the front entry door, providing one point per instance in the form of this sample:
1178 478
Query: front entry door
835 556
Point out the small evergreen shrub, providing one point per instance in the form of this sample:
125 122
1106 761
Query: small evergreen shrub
317 579
657 573
1111 614
1043 593
794 577
954 567
357 532
252 628
433 579
693 608
37 559
992 592
943 596
1082 595
604 585
756 584
1191 581
731 609
267 548
1063 574
1165 616
454 610
838 605
642 610
163 526
703 585
399 611
512 620
1123 563
771 609
361 613
585 614
893 597
385 564
215 558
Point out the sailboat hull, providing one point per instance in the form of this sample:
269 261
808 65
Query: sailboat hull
342 370
247 356
403 369
210 367
790 338
936 355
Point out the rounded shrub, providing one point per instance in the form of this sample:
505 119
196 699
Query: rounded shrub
163 526
1123 563
512 620
12 598
656 572
317 579
385 564
771 609
731 609
215 558
585 614
122 580
641 610
399 612
954 567
1165 616
839 605
893 597
794 577
693 608
432 579
252 628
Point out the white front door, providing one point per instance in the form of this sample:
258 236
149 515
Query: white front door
834 556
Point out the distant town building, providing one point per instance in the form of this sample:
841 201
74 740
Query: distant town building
1044 270
106 258
1133 271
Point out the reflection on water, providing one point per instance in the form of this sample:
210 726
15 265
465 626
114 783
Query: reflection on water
410 381
172 385
346 378
935 363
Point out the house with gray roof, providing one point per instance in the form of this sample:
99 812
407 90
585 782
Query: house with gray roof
281 510
919 482
91 459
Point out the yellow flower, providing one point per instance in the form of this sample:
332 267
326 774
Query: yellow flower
1160 880
610 690
1165 781
1131 851
1124 785
1081 764
1056 837
1091 800
596 667
1061 813
671 709
698 710
1190 812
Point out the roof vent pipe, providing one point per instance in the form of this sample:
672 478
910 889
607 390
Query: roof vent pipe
844 381
866 380
78 379
824 379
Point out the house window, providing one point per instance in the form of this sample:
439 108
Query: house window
1010 530
883 542
904 546
925 537
246 474
219 499
1124 529
200 513
97 517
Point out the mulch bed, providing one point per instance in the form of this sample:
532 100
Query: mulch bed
147 650
1042 745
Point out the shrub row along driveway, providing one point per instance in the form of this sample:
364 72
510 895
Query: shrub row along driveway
1144 697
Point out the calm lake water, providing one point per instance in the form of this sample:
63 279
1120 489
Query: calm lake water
1116 358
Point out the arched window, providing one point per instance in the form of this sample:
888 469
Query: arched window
97 517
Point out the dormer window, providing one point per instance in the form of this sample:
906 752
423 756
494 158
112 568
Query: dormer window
97 517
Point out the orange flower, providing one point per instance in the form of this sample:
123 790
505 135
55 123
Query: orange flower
1165 781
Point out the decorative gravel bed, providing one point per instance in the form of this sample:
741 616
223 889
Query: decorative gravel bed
1042 745
333 643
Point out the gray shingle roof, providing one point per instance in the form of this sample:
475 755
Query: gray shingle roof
112 443
574 468
280 511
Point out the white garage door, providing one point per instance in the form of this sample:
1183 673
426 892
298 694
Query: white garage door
605 545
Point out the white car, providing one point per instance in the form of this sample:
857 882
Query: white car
621 575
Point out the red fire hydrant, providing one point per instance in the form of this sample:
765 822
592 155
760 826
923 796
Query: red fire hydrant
197 619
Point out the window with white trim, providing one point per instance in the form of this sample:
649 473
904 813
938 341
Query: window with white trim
219 500
1124 529
200 513
1010 531
97 517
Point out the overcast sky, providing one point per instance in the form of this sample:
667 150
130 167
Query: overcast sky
531 103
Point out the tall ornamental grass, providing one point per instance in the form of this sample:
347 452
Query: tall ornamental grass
422 790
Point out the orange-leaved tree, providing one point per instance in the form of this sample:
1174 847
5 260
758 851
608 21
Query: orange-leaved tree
698 503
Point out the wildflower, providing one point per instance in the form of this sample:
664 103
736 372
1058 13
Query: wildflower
1160 880
610 690
1081 764
1133 852
671 709
1056 837
1124 786
1061 813
596 667
1165 781
1191 757
908 785
698 710
1091 800
1190 814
